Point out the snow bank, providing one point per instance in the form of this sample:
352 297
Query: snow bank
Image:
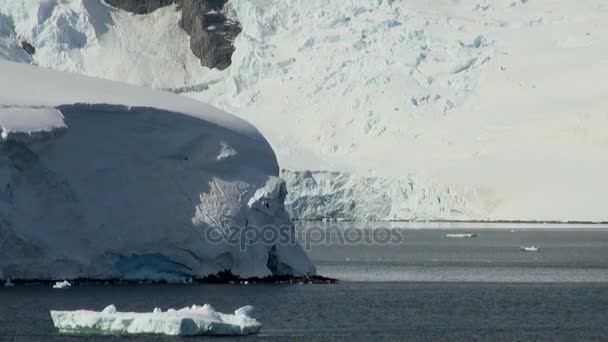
189 321
133 184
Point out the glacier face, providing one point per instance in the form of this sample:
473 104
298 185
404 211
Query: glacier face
490 100
319 195
99 186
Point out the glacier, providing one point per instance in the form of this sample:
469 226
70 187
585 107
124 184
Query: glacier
491 110
189 321
102 180
322 195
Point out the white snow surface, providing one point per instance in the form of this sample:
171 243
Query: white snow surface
100 179
189 321
497 108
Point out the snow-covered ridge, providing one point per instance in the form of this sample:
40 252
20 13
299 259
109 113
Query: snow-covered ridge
131 185
502 102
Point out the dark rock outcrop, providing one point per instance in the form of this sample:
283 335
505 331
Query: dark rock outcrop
29 48
211 32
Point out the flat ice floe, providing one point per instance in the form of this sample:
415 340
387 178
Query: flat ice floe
189 321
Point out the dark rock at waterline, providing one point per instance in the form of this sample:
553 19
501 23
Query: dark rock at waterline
211 31
223 277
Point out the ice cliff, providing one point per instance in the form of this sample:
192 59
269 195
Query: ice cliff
103 180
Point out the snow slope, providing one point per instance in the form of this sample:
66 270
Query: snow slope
487 110
104 180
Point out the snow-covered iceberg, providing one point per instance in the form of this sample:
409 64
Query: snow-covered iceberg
101 180
189 321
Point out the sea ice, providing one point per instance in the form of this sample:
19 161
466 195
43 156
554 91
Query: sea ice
189 321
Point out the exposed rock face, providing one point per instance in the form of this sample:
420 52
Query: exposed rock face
211 31
28 47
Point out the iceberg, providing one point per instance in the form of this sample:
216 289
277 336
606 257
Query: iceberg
62 285
189 321
102 180
529 248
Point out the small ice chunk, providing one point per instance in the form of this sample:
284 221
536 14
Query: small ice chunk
8 283
62 285
189 321
461 235
529 248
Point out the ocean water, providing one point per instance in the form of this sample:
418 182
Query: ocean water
569 253
428 288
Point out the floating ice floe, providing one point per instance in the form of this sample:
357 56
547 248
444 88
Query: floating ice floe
189 321
8 283
461 235
62 284
530 248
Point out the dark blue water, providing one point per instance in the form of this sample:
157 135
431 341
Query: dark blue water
351 310
482 289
